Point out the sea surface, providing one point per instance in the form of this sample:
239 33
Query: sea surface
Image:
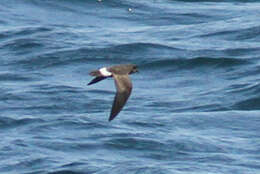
195 103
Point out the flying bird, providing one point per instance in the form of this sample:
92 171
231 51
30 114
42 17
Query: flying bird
122 82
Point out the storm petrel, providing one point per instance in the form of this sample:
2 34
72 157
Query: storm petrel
122 81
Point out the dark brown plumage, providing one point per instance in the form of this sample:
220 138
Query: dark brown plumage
122 81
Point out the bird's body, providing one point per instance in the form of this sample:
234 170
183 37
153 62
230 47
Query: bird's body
122 81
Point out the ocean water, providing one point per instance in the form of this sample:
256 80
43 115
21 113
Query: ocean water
195 104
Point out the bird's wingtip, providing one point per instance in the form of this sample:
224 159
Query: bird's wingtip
111 117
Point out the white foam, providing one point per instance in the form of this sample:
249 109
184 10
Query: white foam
105 72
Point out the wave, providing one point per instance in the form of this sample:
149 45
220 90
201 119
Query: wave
119 53
246 89
7 122
251 34
66 171
20 45
196 62
216 1
145 65
248 104
13 77
23 31
143 54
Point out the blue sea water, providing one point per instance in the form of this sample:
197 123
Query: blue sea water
195 104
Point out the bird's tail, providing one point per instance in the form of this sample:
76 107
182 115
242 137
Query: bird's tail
95 73
97 79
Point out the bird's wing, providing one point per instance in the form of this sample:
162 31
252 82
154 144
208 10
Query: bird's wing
124 88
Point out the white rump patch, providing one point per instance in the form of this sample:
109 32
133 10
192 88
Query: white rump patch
105 72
